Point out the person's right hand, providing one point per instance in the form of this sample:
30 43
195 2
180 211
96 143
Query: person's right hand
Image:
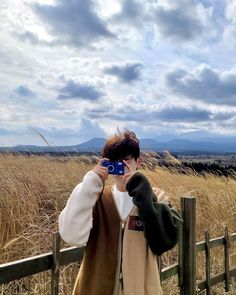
100 170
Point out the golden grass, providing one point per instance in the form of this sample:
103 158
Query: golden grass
33 191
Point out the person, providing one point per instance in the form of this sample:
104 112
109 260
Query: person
124 226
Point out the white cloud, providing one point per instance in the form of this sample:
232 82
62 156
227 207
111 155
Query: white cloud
230 29
75 90
175 23
205 84
109 8
111 67
71 23
126 73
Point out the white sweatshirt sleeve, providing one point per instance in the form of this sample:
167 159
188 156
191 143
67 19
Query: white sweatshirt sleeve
75 220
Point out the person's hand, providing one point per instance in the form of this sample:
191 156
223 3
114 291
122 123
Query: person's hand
129 173
161 196
100 170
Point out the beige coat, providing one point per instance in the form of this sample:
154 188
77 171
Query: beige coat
113 252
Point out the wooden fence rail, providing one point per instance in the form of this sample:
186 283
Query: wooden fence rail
185 268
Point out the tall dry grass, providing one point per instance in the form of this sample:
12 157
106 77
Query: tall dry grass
33 191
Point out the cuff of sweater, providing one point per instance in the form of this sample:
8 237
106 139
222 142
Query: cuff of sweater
140 189
93 176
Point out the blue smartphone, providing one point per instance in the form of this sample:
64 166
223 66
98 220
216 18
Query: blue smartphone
117 168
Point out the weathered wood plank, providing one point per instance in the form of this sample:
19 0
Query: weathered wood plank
56 264
216 279
169 271
180 257
29 266
200 246
25 267
159 264
232 237
208 263
71 255
188 208
226 254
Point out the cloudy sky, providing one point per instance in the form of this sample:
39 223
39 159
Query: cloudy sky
75 69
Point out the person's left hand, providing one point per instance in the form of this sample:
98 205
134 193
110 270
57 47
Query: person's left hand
161 195
129 174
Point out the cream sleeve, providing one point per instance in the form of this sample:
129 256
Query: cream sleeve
75 220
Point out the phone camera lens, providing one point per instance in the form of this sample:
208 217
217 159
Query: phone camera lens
110 168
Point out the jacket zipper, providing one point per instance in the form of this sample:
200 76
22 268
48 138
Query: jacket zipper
119 274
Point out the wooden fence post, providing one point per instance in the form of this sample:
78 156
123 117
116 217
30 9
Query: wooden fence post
187 247
208 263
56 264
226 250
159 263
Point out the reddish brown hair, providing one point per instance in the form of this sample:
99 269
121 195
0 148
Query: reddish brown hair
121 145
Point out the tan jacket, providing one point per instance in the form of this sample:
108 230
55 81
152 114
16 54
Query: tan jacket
117 261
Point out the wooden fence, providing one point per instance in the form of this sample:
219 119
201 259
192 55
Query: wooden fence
185 268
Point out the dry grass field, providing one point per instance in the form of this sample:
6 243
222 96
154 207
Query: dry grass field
33 191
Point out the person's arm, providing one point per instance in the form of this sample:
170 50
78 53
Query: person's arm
75 220
160 221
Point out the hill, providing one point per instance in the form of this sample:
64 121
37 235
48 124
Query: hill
147 144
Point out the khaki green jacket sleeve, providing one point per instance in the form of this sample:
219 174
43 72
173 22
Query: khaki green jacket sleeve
160 221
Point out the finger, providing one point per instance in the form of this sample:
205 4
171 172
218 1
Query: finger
102 160
127 177
161 196
166 200
102 173
157 190
128 166
126 180
101 169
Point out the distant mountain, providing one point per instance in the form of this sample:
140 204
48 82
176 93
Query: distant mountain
202 136
92 145
184 145
24 148
147 144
